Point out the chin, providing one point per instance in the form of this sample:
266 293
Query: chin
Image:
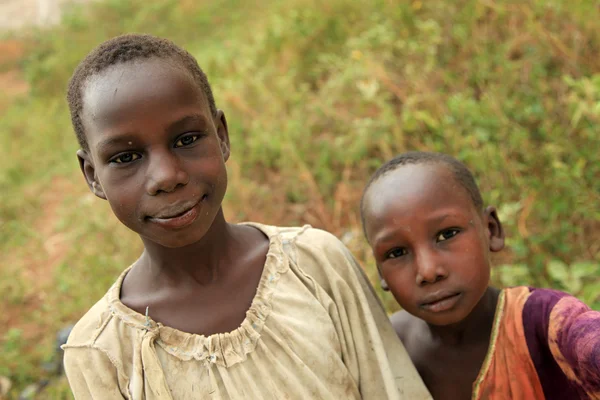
445 319
174 244
174 240
443 322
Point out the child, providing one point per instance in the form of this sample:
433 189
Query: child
210 309
431 237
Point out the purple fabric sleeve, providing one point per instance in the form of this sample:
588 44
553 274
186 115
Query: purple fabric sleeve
536 323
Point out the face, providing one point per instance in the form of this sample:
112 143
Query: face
156 153
430 243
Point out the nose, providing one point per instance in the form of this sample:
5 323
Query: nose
165 174
430 268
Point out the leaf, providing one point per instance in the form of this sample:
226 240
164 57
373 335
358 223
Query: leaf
585 269
591 294
559 272
513 274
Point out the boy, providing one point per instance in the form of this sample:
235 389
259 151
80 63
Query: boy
210 309
431 237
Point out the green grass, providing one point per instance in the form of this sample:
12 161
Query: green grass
317 96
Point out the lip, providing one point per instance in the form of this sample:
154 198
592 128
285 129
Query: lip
177 216
440 301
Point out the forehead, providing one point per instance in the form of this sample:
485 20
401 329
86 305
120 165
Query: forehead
127 90
415 188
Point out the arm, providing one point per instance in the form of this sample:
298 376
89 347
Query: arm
574 340
91 374
372 351
564 343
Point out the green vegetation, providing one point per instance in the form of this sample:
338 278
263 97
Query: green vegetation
318 95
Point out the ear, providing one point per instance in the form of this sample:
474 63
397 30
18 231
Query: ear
89 173
384 285
223 134
382 281
494 228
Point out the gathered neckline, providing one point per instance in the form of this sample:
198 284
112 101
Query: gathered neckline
223 349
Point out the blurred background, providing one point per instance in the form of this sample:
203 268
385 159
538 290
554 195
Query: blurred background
318 95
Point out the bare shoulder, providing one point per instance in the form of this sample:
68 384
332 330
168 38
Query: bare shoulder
405 325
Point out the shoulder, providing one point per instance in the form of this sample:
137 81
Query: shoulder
322 257
560 306
319 252
543 308
533 299
304 235
561 336
404 324
94 356
105 324
310 245
307 235
413 333
540 303
102 334
546 296
89 327
313 240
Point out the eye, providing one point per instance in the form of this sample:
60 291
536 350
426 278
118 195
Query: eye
186 140
395 253
446 234
125 158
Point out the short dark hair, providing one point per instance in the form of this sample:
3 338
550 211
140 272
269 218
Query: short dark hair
460 171
122 49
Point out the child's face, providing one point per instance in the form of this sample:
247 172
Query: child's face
430 243
155 151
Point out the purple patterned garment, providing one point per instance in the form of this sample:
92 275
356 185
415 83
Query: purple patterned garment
563 338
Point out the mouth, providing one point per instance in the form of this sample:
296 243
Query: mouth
178 215
440 301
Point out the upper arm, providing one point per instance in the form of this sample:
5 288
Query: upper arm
563 341
92 375
574 339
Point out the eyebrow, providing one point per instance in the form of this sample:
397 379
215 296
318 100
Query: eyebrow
186 121
442 217
391 235
173 127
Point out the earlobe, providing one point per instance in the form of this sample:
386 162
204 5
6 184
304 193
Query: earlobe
89 173
223 134
382 281
384 285
97 190
495 229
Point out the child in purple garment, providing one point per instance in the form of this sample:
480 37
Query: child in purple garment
431 236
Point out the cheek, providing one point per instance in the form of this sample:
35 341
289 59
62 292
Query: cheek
474 266
123 201
211 167
401 283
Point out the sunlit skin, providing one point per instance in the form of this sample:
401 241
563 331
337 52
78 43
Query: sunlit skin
158 155
432 248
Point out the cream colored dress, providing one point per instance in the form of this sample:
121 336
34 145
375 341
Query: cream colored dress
315 330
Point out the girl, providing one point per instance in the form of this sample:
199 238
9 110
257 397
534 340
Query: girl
210 309
431 237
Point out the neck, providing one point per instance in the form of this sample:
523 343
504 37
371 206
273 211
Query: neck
476 327
200 261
